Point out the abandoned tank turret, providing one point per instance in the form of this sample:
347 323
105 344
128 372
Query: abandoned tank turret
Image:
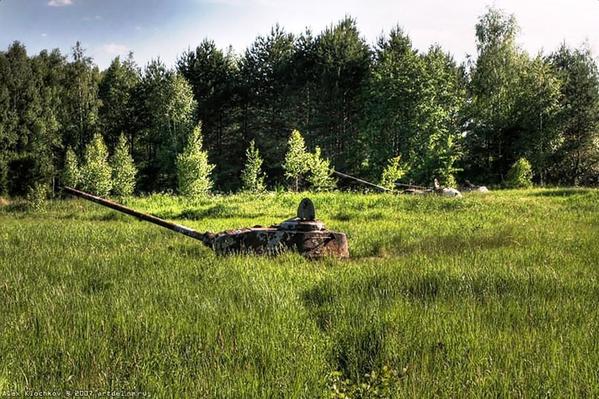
303 234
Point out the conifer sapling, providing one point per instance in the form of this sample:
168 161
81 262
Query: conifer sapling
123 169
96 173
193 168
252 176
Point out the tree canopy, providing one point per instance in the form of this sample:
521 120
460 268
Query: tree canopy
361 105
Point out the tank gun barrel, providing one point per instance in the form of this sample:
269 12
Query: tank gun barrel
367 183
206 238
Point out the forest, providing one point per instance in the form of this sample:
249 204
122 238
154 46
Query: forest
358 104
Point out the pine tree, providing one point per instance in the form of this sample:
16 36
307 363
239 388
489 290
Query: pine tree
252 176
71 174
392 117
393 172
166 110
96 173
296 160
123 169
494 89
320 178
193 168
116 89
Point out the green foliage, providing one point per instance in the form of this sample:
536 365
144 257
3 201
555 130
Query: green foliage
117 91
393 172
576 157
297 160
166 106
320 172
393 94
436 148
361 105
37 196
538 106
384 384
520 174
213 75
252 177
96 173
338 65
30 109
123 169
79 100
193 168
71 173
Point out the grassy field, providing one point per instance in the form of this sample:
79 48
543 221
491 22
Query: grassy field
492 295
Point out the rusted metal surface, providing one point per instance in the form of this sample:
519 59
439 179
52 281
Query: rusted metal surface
272 241
303 234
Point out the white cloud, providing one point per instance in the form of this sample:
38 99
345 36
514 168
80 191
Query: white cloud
60 3
115 49
44 34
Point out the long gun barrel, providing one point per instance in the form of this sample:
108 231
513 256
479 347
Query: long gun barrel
381 188
205 238
303 234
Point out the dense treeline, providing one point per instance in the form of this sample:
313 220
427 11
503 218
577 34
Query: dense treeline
362 105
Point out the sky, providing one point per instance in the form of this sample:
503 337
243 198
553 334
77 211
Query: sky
166 28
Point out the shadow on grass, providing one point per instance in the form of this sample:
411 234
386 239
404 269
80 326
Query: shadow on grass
95 285
447 245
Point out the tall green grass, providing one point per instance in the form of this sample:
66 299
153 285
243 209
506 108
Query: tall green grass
491 295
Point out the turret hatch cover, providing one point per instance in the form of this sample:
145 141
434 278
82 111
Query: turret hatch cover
306 211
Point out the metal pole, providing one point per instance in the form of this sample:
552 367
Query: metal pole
412 186
362 181
205 238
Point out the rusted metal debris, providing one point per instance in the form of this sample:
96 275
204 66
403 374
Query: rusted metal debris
303 234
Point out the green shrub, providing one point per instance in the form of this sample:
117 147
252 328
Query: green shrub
96 173
193 168
123 169
519 175
320 178
37 196
297 160
71 174
392 172
252 177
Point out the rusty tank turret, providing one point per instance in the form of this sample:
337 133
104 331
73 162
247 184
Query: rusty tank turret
303 234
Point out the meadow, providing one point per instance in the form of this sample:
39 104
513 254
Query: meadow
491 295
